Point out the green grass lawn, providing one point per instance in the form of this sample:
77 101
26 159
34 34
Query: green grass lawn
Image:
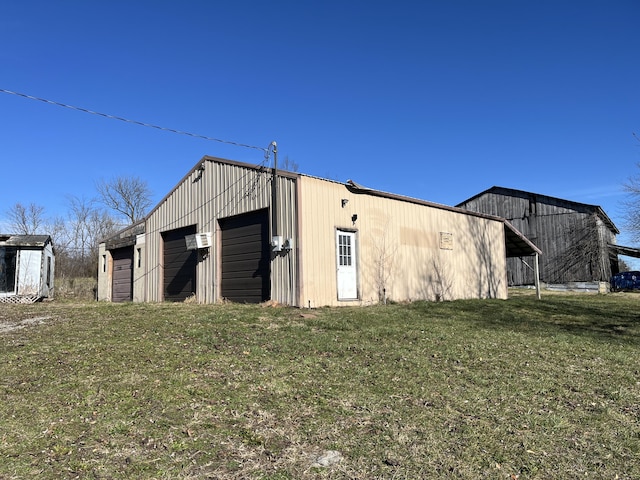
467 389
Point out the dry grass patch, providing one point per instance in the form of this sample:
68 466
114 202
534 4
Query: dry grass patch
470 389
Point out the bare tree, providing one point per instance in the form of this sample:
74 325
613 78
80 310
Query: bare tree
26 220
64 246
288 164
129 196
438 281
632 205
85 227
623 266
383 263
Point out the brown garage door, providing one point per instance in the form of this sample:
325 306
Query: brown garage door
179 265
246 257
122 287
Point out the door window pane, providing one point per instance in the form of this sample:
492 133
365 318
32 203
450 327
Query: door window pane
344 250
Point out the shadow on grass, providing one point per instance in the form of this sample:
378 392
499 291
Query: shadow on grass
597 316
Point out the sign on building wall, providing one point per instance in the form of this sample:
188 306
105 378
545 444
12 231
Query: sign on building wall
446 241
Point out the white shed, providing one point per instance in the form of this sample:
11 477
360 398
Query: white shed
27 265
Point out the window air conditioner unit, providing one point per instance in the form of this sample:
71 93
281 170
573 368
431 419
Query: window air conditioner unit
198 240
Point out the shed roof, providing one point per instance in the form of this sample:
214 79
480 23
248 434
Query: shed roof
24 240
517 244
126 236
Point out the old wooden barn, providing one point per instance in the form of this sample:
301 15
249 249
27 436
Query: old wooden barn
244 233
578 240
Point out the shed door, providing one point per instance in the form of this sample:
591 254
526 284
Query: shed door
122 287
246 257
346 263
179 265
8 269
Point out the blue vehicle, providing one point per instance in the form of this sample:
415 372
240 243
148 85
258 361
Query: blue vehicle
625 281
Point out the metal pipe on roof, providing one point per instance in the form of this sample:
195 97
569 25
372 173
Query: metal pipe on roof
274 192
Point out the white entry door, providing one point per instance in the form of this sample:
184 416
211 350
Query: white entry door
346 261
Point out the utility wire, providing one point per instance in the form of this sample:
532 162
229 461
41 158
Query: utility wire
259 168
135 122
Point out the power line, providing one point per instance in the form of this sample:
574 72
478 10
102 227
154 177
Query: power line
259 168
135 122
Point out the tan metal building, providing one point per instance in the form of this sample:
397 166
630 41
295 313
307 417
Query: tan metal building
228 232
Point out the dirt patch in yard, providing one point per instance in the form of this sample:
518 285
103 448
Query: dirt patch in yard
11 325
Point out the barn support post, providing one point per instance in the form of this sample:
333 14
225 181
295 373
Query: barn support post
536 273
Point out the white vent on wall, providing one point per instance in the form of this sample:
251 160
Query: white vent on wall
198 240
203 239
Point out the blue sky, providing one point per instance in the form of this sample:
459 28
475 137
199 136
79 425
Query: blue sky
434 100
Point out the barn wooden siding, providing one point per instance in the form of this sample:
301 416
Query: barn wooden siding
573 237
221 189
400 247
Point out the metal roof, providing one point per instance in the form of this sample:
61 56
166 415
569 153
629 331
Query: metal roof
548 199
517 244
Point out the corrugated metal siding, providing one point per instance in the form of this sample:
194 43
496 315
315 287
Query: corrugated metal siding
202 197
284 270
399 248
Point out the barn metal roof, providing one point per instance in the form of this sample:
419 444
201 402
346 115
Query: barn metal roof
549 199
